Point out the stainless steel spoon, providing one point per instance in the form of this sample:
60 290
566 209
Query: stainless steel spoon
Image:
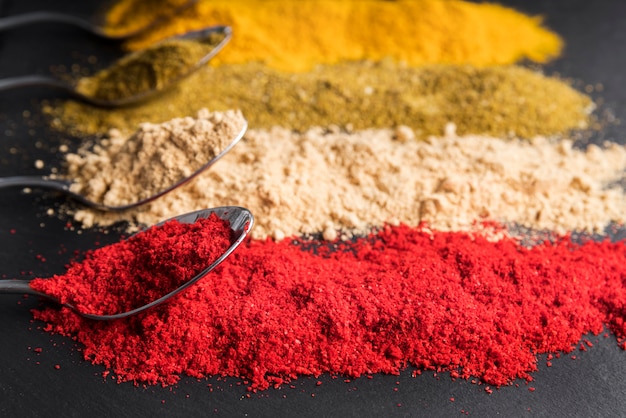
240 219
34 80
64 186
30 18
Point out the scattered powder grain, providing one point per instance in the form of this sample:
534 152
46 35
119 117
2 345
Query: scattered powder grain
122 170
417 32
329 181
498 101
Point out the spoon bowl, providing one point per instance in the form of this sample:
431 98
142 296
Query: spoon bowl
73 90
65 186
31 18
240 220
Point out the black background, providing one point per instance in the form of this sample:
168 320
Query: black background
58 382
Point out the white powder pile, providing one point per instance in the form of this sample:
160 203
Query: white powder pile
330 181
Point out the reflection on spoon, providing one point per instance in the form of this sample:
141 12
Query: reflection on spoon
160 12
141 74
208 237
153 161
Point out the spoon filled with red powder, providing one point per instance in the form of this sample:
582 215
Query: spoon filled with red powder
147 268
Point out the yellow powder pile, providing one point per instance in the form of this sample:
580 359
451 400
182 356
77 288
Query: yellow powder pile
127 17
498 101
296 35
330 181
122 170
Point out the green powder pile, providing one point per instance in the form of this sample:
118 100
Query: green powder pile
501 101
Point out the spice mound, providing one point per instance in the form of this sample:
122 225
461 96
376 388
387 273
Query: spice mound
417 32
445 301
501 101
331 181
122 170
153 69
141 269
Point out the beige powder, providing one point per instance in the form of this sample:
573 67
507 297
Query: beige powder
328 181
122 170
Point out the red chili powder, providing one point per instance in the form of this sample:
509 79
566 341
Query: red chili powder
445 301
141 269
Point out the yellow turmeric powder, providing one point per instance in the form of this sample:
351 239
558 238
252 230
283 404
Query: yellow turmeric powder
295 35
130 16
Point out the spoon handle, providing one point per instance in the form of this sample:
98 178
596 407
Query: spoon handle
58 185
35 80
16 21
17 286
9 83
34 181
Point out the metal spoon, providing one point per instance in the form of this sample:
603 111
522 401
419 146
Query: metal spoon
11 83
25 19
240 219
64 186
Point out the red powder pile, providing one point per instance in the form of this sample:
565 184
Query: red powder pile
134 272
406 296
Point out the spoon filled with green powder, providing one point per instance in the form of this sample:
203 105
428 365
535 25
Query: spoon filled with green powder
141 74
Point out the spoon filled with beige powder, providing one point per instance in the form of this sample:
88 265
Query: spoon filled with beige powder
123 172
